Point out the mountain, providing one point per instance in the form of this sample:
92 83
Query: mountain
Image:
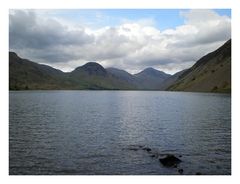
125 76
151 78
148 79
211 73
93 76
25 74
90 68
170 80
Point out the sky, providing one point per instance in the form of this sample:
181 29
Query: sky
169 40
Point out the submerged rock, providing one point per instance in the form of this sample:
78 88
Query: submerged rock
180 171
170 161
147 149
133 149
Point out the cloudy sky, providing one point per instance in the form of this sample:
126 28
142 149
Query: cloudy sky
168 40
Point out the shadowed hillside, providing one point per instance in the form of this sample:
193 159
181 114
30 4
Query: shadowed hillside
151 78
25 74
211 73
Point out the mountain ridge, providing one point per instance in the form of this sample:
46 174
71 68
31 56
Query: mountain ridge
151 78
211 73
91 75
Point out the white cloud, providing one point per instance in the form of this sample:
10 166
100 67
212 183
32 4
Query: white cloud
131 45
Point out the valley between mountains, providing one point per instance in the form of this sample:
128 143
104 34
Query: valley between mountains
211 73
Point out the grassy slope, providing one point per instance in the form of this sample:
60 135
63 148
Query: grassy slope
24 74
212 73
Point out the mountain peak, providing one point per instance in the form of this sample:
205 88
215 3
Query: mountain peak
92 68
13 55
92 64
153 72
151 78
150 69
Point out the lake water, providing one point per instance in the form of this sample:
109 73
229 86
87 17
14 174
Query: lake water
101 132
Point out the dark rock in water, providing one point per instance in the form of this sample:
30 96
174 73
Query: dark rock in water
153 156
180 171
180 156
198 173
170 161
133 149
147 149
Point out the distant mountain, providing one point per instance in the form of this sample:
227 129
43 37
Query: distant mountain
148 79
151 78
94 76
125 76
211 73
90 68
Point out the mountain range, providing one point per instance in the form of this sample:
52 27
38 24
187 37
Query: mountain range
211 73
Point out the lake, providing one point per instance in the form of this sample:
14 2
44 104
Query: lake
104 132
